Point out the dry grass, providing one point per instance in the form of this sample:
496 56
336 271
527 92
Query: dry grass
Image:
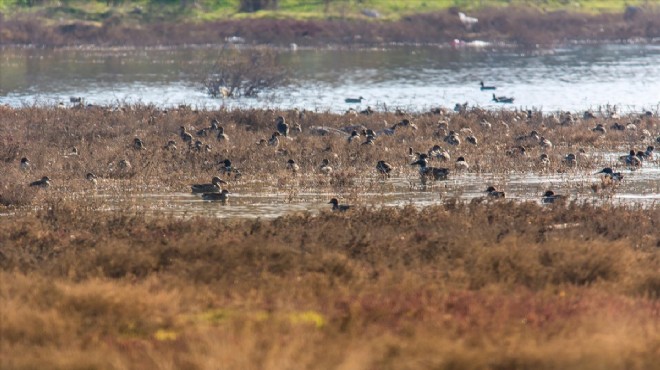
478 285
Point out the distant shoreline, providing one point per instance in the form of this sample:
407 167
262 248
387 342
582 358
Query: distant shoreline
520 27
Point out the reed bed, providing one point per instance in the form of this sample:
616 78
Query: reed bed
485 284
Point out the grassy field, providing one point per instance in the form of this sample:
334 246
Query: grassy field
207 10
89 283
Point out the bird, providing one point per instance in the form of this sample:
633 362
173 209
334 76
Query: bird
599 129
226 167
461 164
185 136
472 140
545 143
282 126
544 160
384 168
468 22
438 153
43 183
292 166
354 100
221 196
354 136
138 144
91 178
124 164
171 145
550 197
213 187
631 160
570 160
370 140
221 134
502 99
338 207
484 87
648 154
609 173
25 164
452 139
274 140
494 193
437 173
325 166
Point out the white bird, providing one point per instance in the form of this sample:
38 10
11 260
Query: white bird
468 22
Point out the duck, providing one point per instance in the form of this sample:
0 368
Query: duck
281 126
484 87
502 99
461 164
325 166
338 207
354 100
354 136
517 151
292 166
138 144
544 160
550 197
452 139
274 140
25 164
185 135
226 167
171 145
649 153
570 160
213 187
437 173
370 140
472 140
91 178
600 129
367 111
221 134
384 168
609 173
494 193
545 143
44 182
222 196
631 160
438 153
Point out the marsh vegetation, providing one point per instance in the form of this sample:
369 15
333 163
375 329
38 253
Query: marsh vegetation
470 284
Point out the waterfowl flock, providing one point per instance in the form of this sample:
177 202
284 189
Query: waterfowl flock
531 144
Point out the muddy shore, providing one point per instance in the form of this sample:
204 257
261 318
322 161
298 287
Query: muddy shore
523 27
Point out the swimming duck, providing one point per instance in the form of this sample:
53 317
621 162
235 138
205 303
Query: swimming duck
550 197
599 129
484 87
25 164
222 196
292 166
494 193
609 173
43 183
436 173
274 140
185 136
282 126
461 164
631 159
213 187
338 207
354 136
354 100
325 166
502 99
384 168
221 134
91 178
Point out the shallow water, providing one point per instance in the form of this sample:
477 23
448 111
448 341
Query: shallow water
263 200
415 78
